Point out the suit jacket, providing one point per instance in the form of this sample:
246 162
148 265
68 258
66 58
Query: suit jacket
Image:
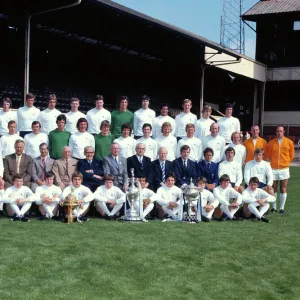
211 175
37 168
184 175
96 166
63 176
146 171
119 172
10 169
157 173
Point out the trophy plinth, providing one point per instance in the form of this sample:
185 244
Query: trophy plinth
69 203
190 194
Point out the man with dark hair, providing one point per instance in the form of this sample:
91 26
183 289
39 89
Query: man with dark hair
228 124
19 164
202 125
142 116
208 169
164 117
121 116
185 168
41 165
73 115
82 194
6 115
18 199
58 138
141 164
91 169
34 139
109 198
48 116
26 115
96 115
103 140
126 142
81 139
151 144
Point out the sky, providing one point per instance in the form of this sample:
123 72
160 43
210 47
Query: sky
202 17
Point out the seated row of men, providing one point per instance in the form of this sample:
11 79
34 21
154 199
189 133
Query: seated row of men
110 199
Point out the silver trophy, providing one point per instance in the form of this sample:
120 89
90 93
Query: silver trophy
133 195
190 194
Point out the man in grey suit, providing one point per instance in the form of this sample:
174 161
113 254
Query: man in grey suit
17 163
116 165
41 165
64 168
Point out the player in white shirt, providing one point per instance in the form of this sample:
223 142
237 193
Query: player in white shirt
228 197
73 115
33 140
127 143
202 125
216 142
208 201
260 169
163 118
6 115
170 199
232 169
26 115
240 149
185 117
47 197
82 194
142 116
19 198
151 144
48 116
255 197
194 143
109 198
96 115
167 140
7 142
79 140
228 124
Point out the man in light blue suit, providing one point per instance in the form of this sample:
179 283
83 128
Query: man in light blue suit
116 165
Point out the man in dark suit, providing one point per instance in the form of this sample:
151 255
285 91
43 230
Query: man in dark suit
208 169
116 165
161 167
91 169
17 163
184 168
141 164
41 165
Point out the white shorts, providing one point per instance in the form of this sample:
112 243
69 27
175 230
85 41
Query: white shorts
281 174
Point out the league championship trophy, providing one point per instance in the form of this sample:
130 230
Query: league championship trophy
190 194
133 195
69 203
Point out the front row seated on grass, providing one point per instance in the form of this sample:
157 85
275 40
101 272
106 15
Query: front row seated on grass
225 200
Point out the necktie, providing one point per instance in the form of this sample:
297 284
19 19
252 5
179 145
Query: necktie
44 168
184 164
116 162
67 167
141 162
18 163
208 166
163 172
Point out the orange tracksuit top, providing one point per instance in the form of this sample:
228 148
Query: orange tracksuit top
260 143
282 155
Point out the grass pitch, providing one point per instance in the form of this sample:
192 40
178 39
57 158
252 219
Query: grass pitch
113 260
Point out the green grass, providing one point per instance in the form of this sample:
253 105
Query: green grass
113 260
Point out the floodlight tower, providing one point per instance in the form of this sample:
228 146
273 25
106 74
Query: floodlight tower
232 26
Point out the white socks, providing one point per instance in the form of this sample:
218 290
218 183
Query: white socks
274 203
282 200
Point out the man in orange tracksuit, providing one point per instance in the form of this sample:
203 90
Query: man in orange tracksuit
281 154
253 143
